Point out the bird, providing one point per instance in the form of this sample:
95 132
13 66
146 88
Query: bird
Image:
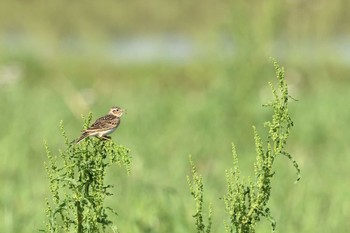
104 125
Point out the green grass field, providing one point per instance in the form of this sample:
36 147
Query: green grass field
199 107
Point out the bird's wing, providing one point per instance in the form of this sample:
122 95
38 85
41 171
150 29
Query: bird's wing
104 123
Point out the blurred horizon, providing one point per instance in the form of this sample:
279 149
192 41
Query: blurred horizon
142 32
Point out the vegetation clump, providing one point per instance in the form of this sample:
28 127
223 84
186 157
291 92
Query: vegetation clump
246 199
77 184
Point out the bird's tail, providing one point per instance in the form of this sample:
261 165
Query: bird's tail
84 135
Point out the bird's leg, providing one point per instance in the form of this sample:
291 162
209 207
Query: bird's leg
105 137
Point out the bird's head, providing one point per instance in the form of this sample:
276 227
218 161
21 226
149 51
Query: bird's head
116 111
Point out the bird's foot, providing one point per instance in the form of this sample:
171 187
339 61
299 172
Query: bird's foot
105 137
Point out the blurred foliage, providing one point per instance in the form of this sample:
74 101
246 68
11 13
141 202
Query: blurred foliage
59 19
113 18
57 62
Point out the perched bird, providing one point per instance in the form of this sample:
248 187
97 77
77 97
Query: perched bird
104 125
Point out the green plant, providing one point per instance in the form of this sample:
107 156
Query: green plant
196 188
246 198
77 184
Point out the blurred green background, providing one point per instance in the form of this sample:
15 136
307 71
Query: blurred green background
193 76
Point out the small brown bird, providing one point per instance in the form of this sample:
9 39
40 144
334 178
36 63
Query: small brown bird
104 125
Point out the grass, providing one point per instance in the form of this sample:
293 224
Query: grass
167 120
